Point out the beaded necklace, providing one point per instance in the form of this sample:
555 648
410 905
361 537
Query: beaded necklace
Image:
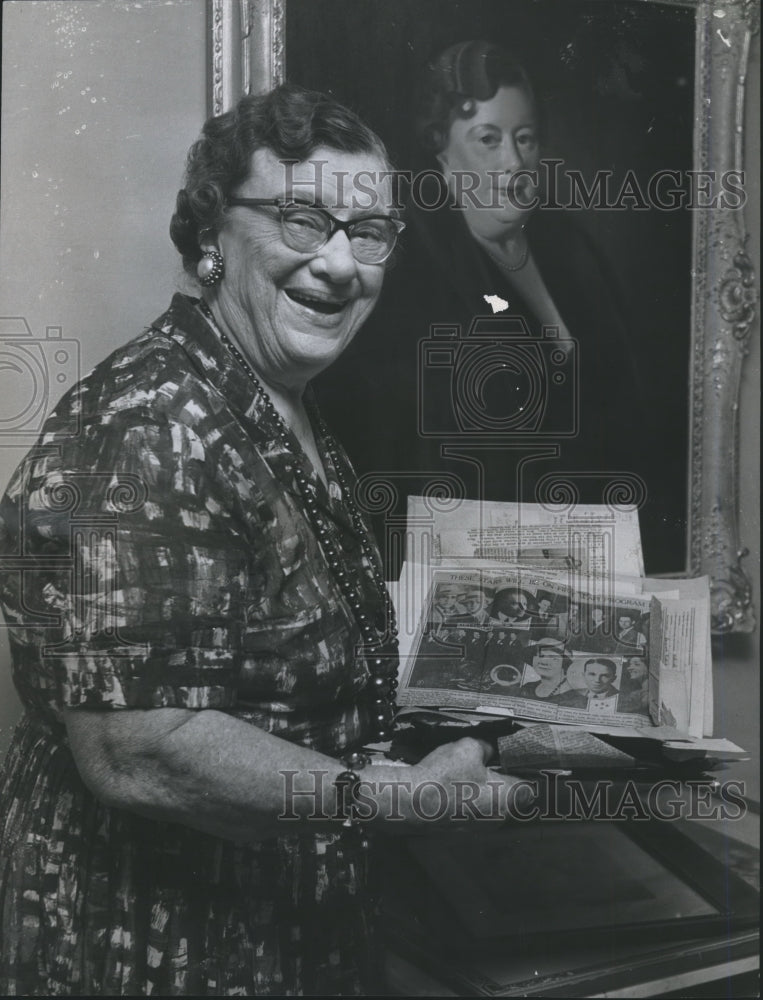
557 686
379 643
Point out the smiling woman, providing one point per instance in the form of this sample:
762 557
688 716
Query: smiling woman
202 638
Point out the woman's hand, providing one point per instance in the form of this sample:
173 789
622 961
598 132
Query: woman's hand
223 776
451 787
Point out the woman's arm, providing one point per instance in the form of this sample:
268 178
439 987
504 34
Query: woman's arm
218 774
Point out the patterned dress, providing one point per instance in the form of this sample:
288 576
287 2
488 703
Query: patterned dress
156 552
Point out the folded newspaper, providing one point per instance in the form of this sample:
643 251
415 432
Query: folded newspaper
542 613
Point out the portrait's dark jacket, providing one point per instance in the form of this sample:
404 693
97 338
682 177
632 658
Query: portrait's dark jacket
379 396
567 699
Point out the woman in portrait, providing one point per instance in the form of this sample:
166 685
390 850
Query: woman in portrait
200 630
551 663
423 398
634 687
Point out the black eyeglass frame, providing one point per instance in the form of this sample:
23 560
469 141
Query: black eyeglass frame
337 225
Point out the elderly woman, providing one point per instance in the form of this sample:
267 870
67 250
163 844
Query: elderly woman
199 624
422 399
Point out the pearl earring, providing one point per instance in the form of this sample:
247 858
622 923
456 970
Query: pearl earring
210 268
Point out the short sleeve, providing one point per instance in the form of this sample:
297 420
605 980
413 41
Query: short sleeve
122 570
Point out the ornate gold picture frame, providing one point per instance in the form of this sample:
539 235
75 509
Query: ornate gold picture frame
248 53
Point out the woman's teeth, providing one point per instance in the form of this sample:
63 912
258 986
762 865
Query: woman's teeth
328 306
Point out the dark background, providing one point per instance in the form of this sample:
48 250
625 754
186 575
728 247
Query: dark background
615 84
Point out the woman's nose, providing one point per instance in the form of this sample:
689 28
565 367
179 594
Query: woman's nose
335 260
511 160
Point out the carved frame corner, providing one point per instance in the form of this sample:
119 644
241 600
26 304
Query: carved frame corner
725 311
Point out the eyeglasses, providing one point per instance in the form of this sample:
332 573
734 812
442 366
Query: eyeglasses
307 228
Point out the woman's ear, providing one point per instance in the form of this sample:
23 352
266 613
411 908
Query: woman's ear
208 240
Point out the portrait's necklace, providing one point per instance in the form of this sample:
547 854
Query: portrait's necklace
510 265
553 690
380 646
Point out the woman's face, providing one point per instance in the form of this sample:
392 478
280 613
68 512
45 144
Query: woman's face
294 313
493 145
637 669
548 664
